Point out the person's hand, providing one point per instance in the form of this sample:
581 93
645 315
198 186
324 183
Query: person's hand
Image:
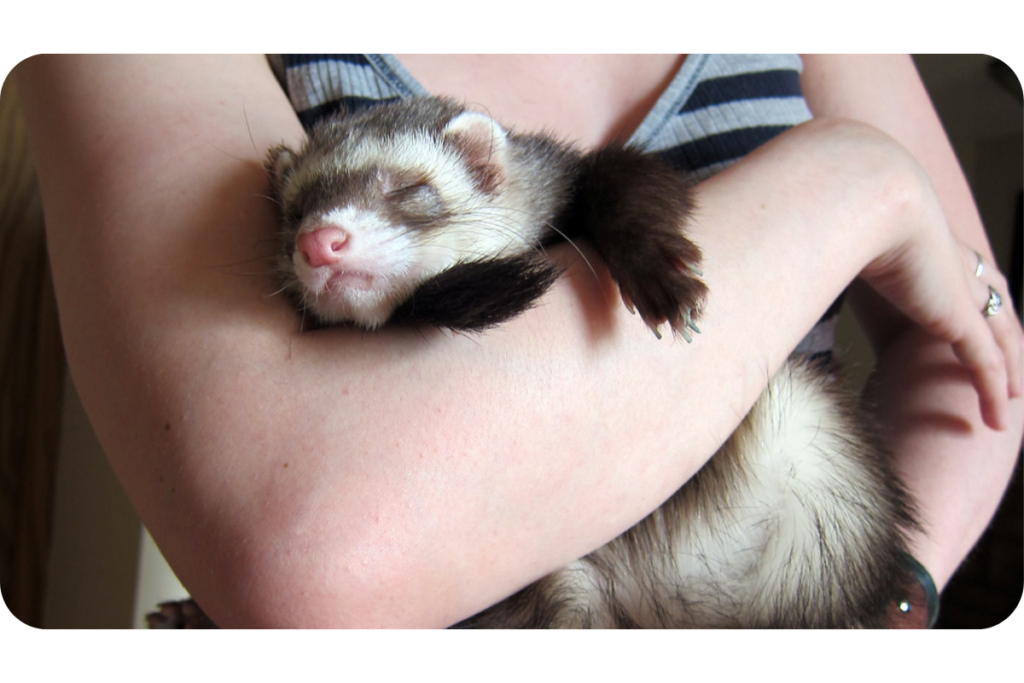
990 291
934 279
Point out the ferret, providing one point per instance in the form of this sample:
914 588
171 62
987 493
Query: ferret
424 212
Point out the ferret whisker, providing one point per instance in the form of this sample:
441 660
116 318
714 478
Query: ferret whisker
244 160
579 251
271 198
248 129
279 291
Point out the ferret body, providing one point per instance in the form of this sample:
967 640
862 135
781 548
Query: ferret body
425 213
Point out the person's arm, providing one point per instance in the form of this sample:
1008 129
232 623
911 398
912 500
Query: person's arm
956 467
401 478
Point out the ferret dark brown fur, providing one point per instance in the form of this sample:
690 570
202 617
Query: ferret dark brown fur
424 212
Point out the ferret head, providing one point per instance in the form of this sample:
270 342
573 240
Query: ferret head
376 203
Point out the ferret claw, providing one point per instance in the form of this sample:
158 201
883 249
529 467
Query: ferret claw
628 303
688 319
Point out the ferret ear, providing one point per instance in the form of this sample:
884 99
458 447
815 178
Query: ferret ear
483 143
279 164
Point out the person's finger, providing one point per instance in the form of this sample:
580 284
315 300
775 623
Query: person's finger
992 296
985 361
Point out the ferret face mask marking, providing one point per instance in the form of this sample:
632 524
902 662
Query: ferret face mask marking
370 218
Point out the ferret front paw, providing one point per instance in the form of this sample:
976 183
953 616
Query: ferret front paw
475 296
634 208
660 280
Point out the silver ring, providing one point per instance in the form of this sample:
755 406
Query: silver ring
995 302
980 268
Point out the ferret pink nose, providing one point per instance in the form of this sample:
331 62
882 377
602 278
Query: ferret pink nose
323 246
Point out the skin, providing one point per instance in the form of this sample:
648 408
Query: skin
411 479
